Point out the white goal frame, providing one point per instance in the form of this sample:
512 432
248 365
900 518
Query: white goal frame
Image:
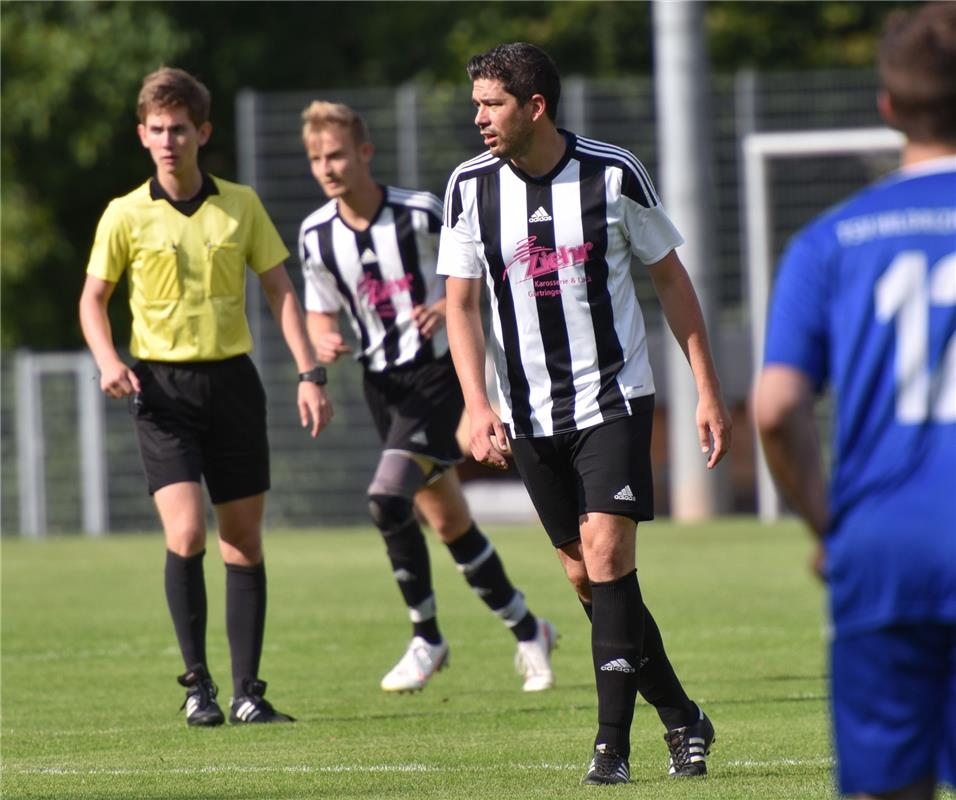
758 150
31 441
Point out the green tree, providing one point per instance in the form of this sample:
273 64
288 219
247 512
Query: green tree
69 73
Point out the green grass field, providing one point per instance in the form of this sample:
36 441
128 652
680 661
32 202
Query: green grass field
90 702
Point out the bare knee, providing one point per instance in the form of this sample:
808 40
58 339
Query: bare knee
243 547
240 530
449 524
185 541
180 508
575 569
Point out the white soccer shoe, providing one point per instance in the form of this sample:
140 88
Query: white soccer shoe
420 662
533 659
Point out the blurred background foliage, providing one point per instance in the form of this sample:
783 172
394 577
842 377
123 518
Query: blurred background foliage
70 72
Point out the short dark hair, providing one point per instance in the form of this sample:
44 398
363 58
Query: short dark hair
523 69
917 65
169 87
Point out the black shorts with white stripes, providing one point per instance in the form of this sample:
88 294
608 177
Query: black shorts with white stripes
417 408
605 468
205 419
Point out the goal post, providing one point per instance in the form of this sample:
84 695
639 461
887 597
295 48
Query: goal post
758 150
32 443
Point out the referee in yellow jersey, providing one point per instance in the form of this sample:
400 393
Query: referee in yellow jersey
184 239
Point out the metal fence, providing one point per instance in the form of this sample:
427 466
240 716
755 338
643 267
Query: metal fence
421 133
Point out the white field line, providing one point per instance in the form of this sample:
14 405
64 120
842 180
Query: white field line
307 769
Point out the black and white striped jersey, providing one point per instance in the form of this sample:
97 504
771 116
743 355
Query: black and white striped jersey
378 275
568 336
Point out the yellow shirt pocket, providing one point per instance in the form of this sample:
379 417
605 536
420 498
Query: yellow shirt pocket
154 275
226 270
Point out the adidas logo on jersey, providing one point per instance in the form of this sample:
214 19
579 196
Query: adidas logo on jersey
368 256
540 215
618 665
418 437
626 494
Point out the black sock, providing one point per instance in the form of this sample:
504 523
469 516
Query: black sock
478 560
245 620
658 684
657 681
588 608
617 632
408 554
186 598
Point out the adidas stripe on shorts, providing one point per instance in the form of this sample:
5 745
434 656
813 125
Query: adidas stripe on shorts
605 468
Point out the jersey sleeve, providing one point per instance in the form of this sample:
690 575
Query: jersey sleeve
321 294
457 248
265 248
650 231
797 325
109 255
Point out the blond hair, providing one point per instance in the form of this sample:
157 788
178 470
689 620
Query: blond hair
169 87
320 114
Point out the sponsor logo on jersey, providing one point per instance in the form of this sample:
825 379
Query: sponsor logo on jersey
538 260
378 294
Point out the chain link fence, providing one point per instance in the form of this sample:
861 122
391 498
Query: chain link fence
421 133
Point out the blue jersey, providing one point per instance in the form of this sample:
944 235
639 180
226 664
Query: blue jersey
865 303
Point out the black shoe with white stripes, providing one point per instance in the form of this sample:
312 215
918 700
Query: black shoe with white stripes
200 703
607 767
251 706
689 747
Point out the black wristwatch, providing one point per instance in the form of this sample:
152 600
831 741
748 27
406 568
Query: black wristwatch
315 375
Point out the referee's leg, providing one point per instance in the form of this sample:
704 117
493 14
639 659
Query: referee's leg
180 507
240 543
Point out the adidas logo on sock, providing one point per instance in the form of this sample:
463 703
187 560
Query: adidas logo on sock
626 494
368 256
419 437
540 215
618 665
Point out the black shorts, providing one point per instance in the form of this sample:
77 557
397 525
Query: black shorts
417 409
203 419
605 468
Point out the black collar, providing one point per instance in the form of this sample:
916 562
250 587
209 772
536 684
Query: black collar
185 207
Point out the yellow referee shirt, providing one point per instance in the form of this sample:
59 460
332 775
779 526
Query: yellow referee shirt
187 274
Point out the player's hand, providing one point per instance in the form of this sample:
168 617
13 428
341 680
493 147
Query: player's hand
118 380
429 319
489 442
329 346
715 428
315 407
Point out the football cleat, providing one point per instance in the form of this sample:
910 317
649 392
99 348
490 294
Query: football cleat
200 703
689 747
607 767
421 660
533 659
251 706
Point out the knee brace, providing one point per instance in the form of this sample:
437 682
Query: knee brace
390 513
